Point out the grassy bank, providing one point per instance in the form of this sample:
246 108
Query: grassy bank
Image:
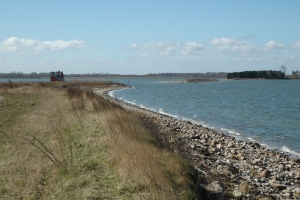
61 141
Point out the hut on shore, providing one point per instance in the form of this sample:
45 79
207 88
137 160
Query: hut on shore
57 76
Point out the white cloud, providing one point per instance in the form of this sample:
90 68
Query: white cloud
151 45
272 46
60 44
155 48
296 46
21 45
224 41
246 48
217 46
191 48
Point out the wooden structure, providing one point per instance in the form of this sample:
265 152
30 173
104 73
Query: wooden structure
57 76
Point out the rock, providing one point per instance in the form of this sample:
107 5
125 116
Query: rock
297 192
297 160
237 193
219 146
244 187
172 140
213 143
212 191
287 194
203 141
230 144
266 198
266 173
281 167
252 171
256 161
277 186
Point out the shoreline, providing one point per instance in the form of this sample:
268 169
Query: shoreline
247 170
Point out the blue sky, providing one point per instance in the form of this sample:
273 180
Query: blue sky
140 37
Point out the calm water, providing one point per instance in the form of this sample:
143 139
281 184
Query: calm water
265 111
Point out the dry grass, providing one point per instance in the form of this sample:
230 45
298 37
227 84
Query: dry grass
59 141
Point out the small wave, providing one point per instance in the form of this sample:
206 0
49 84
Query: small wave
145 107
287 150
129 102
251 139
168 114
231 132
111 93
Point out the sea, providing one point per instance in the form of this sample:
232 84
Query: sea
262 111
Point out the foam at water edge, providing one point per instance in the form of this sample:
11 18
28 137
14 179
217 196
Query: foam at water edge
168 114
111 93
287 150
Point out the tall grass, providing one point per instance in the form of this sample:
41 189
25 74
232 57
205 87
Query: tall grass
70 143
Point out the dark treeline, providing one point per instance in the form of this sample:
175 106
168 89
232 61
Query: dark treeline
267 74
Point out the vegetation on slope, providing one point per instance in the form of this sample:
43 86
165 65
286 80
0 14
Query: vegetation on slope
62 141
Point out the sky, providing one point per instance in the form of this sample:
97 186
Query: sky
143 36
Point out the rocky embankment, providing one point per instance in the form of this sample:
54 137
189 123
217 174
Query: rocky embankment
227 168
200 80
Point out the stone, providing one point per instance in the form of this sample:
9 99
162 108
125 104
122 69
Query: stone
266 198
219 146
244 187
172 140
297 160
252 171
213 143
237 193
203 141
214 191
277 186
297 192
281 167
266 173
256 161
230 144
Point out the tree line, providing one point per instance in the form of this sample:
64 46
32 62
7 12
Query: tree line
267 74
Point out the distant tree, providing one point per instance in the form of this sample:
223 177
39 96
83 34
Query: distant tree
257 74
283 69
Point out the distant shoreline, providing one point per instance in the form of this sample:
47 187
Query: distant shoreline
200 80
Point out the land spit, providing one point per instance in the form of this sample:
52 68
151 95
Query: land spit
240 169
200 80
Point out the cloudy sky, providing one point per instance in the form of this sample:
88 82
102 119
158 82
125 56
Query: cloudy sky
143 36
